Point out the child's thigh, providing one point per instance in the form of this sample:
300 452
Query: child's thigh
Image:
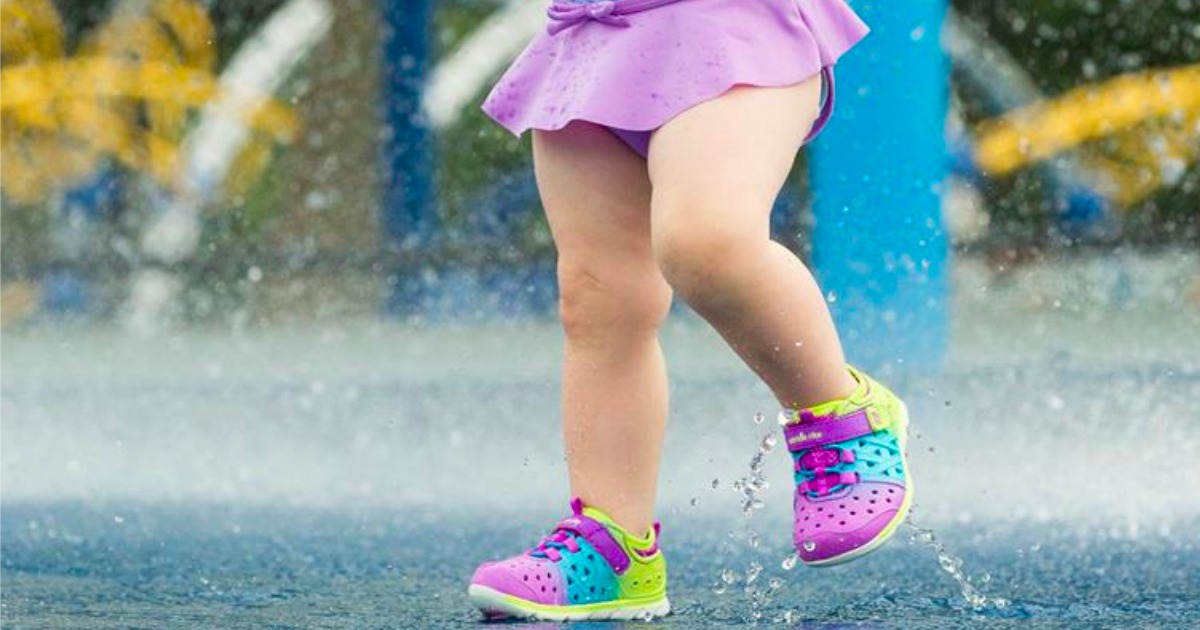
596 194
723 162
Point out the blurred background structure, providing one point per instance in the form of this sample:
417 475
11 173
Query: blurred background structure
275 292
174 161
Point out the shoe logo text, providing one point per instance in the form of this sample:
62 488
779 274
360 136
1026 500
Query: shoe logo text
805 437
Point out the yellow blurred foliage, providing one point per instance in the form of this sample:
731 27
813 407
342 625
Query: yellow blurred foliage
1136 131
129 94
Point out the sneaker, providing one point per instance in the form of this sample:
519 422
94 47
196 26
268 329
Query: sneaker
853 487
588 567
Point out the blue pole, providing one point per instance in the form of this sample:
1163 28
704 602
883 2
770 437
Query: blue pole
409 213
879 245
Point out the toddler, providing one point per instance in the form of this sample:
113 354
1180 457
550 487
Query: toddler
663 130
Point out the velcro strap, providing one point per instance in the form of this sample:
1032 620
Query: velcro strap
600 538
827 430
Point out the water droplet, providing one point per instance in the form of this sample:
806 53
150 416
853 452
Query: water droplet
950 564
716 483
753 572
789 562
695 501
809 545
1090 69
922 537
728 576
759 417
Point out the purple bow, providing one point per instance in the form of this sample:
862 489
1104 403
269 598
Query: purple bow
564 15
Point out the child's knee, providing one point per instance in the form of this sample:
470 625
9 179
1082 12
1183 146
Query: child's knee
693 258
598 301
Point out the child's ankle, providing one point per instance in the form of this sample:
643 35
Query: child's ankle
826 404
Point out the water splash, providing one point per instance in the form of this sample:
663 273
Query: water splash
952 565
751 487
728 578
755 483
752 573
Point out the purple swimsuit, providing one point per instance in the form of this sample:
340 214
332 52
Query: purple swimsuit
632 65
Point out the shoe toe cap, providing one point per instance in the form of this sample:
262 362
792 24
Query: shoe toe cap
819 547
826 529
524 577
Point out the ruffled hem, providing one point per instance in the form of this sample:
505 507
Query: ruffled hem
668 60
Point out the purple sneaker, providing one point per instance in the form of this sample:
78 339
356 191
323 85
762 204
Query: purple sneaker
853 487
588 567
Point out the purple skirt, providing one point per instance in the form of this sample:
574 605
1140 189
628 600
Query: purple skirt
632 65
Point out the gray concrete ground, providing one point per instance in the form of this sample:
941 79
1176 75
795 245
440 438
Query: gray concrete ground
350 474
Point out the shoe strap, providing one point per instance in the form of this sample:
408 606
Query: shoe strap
816 431
599 537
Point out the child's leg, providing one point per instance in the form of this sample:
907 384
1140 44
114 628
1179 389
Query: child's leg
613 299
716 170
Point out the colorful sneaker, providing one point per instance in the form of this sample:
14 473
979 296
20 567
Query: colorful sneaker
587 568
852 480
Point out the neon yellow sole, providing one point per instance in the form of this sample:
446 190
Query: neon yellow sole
494 603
